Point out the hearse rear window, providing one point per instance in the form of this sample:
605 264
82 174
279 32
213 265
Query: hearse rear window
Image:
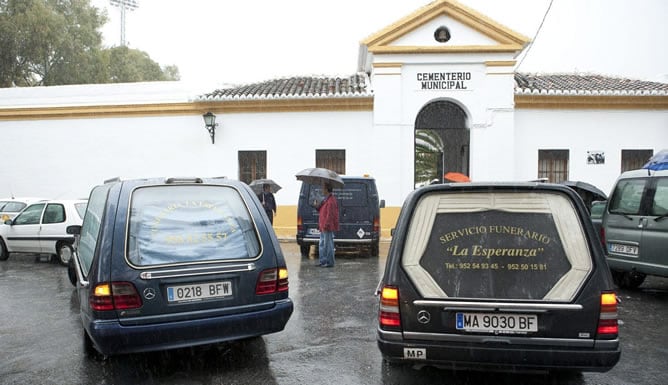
184 224
503 245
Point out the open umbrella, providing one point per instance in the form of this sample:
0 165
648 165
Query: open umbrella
320 175
658 162
456 177
588 192
587 188
258 185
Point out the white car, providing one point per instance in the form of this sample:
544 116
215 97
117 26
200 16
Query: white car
9 207
41 229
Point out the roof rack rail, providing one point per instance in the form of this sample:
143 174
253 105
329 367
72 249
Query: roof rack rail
112 180
183 180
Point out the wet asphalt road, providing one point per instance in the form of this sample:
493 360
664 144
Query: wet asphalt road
330 338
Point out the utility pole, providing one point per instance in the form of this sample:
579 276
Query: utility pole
123 5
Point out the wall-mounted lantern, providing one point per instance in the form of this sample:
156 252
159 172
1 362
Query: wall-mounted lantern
210 124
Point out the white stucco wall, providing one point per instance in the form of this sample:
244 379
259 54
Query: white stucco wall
579 131
65 158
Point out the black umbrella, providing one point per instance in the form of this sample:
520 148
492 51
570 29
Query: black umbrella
258 185
587 191
319 176
587 188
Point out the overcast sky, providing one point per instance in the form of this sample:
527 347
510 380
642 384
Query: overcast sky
220 41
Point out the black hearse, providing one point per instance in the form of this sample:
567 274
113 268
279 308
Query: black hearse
497 276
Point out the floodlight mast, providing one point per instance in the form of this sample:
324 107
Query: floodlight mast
123 5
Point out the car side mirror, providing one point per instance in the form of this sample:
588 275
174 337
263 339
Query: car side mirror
8 222
382 204
392 232
73 230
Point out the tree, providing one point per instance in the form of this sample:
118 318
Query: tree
54 42
131 65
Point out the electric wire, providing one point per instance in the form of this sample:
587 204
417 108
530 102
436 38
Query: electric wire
535 35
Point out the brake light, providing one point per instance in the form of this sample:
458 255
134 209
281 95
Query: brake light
607 323
300 223
388 314
272 281
602 236
115 296
376 224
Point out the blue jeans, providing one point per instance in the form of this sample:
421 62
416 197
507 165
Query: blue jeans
326 248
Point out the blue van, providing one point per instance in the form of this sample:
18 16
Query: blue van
359 216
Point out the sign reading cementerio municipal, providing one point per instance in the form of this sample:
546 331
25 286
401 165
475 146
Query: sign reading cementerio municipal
444 80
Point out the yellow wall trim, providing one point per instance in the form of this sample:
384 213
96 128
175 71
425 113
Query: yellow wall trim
576 102
449 8
285 221
387 65
444 50
500 63
164 109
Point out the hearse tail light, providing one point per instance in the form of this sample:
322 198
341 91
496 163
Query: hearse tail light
282 279
602 236
607 323
115 296
300 223
272 281
388 314
376 224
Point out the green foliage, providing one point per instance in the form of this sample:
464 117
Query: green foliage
56 42
429 149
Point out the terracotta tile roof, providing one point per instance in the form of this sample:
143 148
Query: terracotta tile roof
572 84
356 85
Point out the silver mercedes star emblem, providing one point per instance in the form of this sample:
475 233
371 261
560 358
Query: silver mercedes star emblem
423 316
149 293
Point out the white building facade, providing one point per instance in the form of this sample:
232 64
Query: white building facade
437 88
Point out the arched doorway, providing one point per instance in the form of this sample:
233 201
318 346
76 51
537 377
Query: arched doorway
441 142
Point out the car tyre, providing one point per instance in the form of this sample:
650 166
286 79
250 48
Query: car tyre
64 253
375 248
628 279
4 254
90 350
71 273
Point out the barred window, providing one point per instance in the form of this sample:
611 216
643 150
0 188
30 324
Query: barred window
635 159
252 165
334 160
553 165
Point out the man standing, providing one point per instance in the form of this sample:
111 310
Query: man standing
328 223
268 202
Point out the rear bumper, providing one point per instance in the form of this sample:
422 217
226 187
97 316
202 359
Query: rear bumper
502 357
313 240
621 263
110 337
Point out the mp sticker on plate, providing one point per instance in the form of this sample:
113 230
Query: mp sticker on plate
415 353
